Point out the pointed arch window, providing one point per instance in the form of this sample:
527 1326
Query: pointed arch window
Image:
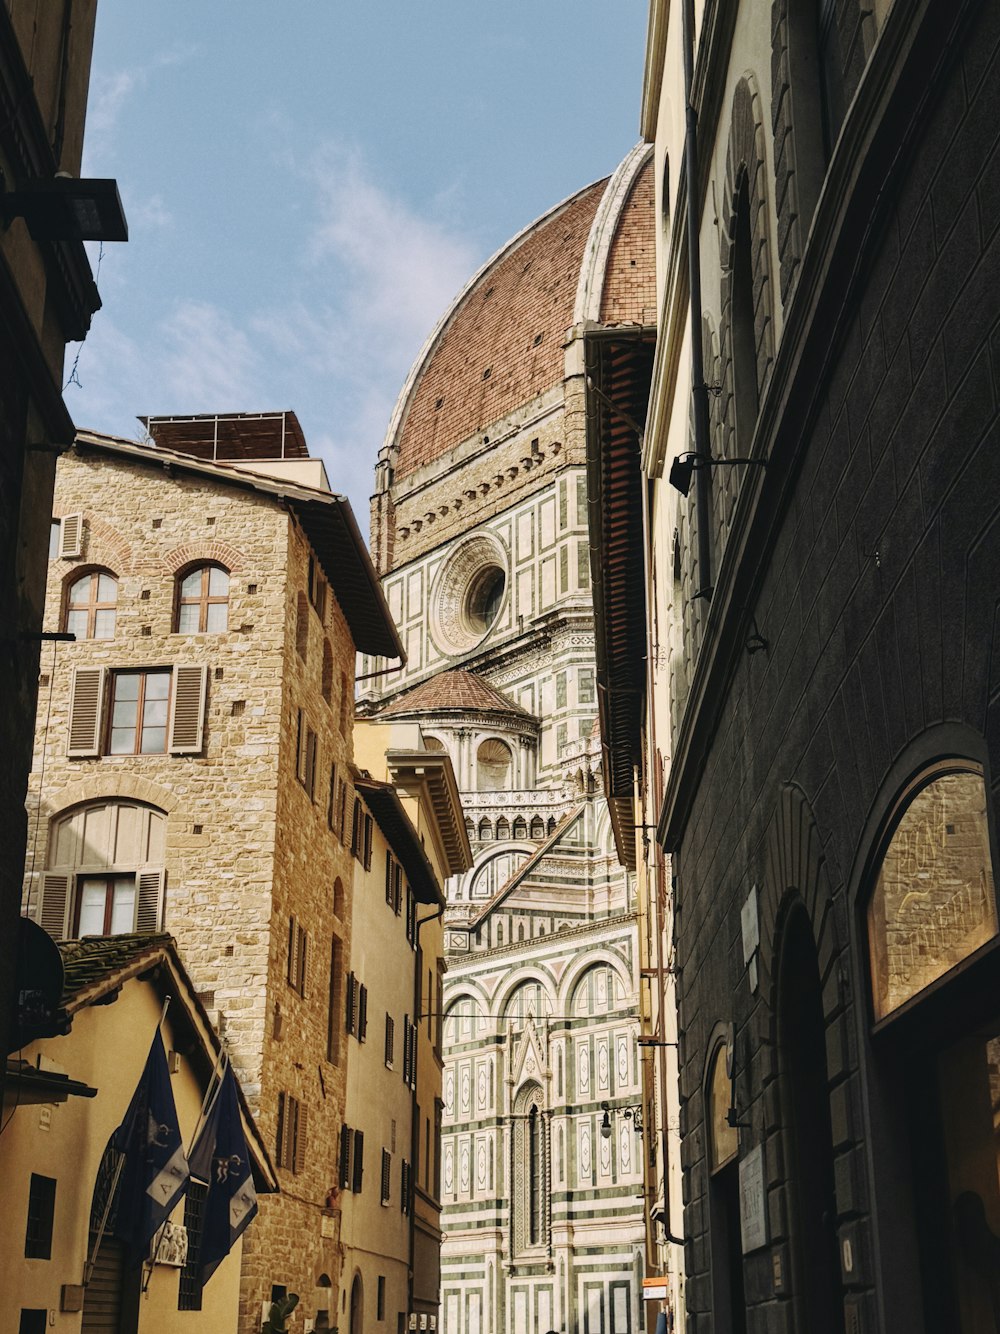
91 605
203 601
531 1152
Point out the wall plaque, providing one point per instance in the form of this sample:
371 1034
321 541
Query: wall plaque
753 1201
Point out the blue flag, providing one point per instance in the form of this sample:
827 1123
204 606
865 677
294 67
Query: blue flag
222 1155
154 1174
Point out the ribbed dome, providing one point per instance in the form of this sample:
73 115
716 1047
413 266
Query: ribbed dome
454 691
501 343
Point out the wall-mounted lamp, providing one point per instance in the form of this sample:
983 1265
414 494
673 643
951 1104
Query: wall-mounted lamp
63 208
633 1114
684 465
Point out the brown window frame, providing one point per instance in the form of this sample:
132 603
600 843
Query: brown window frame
143 673
109 877
203 601
93 604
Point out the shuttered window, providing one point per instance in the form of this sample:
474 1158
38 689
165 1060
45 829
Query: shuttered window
149 712
357 1177
41 1212
333 1016
362 1012
291 1138
51 913
297 948
390 1039
71 537
386 1175
405 1184
344 1165
351 1006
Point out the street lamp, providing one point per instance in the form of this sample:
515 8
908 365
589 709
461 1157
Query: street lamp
63 208
633 1114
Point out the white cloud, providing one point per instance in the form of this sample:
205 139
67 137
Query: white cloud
109 95
209 361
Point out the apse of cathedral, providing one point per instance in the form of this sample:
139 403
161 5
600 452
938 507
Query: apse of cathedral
480 535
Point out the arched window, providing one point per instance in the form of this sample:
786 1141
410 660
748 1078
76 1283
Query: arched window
104 873
338 897
203 601
520 827
326 684
434 744
485 830
346 703
503 827
744 333
728 1293
933 903
91 601
537 828
494 764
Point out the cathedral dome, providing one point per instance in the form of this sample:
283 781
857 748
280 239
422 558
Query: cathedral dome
500 345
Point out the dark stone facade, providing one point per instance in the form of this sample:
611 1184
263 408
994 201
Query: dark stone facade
877 591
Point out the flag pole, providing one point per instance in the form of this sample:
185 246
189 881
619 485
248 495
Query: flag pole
88 1268
211 1093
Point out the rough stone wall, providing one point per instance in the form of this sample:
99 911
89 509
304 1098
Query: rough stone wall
245 846
880 611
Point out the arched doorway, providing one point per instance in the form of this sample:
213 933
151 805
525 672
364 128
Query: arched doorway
817 1297
111 1295
357 1306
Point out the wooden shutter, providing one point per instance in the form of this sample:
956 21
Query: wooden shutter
187 710
303 945
386 1170
71 537
280 1137
53 906
359 1161
345 1157
352 984
291 952
149 902
390 1039
407 1057
362 1012
85 710
299 1152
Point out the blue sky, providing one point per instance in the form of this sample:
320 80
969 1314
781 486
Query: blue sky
308 183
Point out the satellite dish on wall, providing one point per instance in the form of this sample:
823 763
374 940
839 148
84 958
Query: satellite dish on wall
39 987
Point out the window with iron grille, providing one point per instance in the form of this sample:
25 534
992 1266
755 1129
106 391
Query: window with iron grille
390 1040
386 1175
41 1211
359 1161
344 1164
190 1285
388 876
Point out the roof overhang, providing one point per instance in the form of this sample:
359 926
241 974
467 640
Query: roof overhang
433 770
619 364
28 1084
326 518
383 801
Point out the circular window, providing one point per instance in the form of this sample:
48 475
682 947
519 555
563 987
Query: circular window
468 597
484 598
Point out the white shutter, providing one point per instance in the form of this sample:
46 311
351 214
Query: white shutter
71 537
187 710
149 903
86 705
53 905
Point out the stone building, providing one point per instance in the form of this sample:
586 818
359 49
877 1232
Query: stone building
479 531
47 298
193 767
64 1101
821 492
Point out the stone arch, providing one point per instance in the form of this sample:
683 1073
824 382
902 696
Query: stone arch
746 172
526 976
111 786
105 545
203 553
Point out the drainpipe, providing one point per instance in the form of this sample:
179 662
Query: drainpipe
418 964
699 389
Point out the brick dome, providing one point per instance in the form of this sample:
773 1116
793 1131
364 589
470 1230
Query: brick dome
500 344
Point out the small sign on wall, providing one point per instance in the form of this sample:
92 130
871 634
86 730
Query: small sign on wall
753 1201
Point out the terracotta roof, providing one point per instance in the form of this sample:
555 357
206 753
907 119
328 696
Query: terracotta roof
89 961
454 690
501 343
